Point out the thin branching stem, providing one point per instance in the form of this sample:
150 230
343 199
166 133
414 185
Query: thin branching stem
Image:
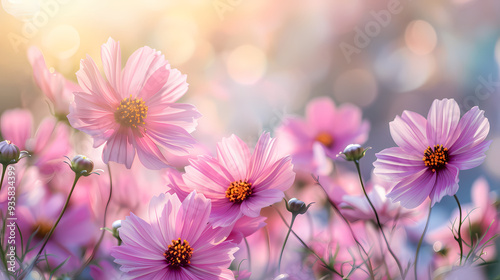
459 240
378 220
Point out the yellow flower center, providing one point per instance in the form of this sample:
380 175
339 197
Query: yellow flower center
436 159
325 138
239 191
131 112
178 253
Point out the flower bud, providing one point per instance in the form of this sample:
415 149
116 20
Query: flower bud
354 152
9 153
82 165
116 225
296 206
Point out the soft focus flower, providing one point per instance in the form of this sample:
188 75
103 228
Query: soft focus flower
431 152
333 128
480 225
178 242
47 146
356 207
134 110
58 89
239 183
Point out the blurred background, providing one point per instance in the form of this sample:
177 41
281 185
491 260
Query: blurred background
250 63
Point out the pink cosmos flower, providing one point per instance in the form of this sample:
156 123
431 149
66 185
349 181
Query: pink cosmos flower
134 110
240 184
356 207
326 127
178 242
58 89
481 224
431 152
47 146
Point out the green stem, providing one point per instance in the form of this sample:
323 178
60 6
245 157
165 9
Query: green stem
359 246
77 176
327 266
3 175
421 239
378 220
248 254
284 243
98 244
459 240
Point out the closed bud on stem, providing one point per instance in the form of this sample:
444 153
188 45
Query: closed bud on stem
353 152
9 153
81 165
296 206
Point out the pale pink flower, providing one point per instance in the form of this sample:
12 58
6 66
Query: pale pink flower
480 225
134 110
47 146
58 89
356 207
431 152
326 127
239 183
178 242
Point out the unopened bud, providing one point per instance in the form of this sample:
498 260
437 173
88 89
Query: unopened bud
82 165
9 153
296 206
354 152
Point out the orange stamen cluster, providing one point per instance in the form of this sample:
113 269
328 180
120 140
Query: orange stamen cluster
239 191
131 112
325 138
436 159
43 228
178 253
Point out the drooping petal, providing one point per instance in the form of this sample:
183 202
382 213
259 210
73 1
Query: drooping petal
446 183
120 148
149 154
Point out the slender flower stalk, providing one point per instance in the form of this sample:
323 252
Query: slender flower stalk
459 239
286 239
421 239
356 162
326 265
98 244
359 246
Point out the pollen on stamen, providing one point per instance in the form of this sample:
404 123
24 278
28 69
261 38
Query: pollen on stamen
238 191
437 158
131 112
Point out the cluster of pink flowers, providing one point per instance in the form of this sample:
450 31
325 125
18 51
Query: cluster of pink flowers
179 211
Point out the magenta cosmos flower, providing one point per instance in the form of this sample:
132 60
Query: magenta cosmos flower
431 152
325 127
134 110
240 183
178 242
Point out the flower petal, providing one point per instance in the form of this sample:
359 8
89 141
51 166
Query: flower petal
120 148
446 183
251 207
233 153
409 133
393 164
442 121
414 189
472 157
112 63
472 130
